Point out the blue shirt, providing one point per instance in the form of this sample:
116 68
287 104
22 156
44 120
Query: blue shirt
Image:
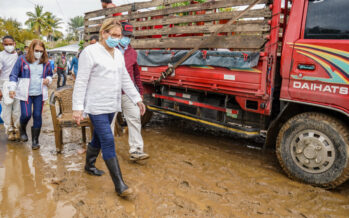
75 64
36 71
52 62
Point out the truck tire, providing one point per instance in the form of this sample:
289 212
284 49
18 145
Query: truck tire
314 148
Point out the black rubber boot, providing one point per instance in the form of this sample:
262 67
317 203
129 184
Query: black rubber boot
120 187
35 138
91 157
23 132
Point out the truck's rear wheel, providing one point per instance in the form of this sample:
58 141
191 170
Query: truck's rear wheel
314 148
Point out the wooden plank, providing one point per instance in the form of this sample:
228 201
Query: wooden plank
242 26
191 18
129 7
192 8
236 42
249 27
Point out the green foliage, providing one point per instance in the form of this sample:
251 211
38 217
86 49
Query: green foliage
51 28
74 24
13 28
81 45
60 44
44 23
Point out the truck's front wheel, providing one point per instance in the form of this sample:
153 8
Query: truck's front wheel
314 148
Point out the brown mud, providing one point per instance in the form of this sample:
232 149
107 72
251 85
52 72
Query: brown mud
193 172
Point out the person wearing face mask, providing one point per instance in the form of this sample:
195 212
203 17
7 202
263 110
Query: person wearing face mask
29 82
97 92
11 110
130 111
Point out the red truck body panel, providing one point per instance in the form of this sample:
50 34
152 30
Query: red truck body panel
312 71
327 83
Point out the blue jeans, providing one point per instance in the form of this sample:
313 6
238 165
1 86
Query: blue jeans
36 103
102 135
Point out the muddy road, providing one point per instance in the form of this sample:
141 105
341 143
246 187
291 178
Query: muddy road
192 172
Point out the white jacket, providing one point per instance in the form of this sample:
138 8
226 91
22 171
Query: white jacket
100 80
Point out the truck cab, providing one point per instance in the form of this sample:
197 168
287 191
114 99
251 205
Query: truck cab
313 136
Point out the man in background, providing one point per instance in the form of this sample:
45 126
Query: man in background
93 40
61 67
74 65
129 109
109 4
10 110
26 48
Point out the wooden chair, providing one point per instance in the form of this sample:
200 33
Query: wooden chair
64 118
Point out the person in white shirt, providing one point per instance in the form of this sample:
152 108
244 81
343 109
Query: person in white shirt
11 110
97 92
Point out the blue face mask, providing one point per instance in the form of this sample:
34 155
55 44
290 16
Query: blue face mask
112 42
125 41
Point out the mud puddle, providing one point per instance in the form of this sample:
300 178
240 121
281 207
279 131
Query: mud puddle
192 172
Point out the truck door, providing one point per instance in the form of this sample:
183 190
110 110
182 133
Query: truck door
320 62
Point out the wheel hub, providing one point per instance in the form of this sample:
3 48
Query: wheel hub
312 151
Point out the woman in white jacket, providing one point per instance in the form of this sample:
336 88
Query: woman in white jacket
97 92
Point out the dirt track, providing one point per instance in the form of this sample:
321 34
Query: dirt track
192 172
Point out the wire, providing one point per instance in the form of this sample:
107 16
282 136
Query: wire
59 6
31 2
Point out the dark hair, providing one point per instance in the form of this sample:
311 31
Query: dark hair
94 38
25 46
8 37
106 1
64 53
30 55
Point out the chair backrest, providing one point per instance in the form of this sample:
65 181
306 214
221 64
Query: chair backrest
65 97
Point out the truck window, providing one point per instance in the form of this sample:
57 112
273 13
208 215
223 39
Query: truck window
327 19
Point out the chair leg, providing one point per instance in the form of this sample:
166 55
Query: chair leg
83 131
58 138
91 131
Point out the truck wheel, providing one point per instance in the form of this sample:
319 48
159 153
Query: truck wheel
314 148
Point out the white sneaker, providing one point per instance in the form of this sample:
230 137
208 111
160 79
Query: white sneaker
138 155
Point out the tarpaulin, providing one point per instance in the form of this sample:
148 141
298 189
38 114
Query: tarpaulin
228 59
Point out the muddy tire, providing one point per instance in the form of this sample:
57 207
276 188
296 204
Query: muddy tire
314 148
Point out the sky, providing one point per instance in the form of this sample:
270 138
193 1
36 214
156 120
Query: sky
63 9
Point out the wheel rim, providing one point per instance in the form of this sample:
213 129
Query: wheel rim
312 151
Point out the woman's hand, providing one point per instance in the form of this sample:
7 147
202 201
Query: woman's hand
12 94
77 116
142 108
46 82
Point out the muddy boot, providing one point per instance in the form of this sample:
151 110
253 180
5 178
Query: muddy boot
120 187
17 135
91 157
35 138
11 136
23 131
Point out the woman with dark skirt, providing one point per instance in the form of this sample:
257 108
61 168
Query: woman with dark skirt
97 92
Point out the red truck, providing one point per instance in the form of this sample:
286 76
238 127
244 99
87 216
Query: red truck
297 96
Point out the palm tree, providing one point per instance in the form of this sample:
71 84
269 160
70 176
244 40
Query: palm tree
52 25
37 20
74 24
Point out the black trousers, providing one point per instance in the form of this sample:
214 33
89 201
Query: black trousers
60 73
